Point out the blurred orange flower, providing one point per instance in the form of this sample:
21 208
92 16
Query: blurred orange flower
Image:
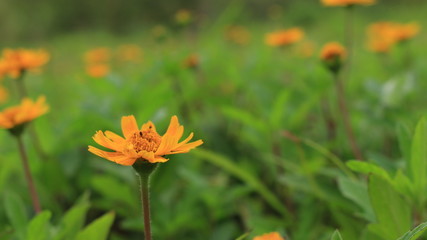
97 55
333 50
98 70
347 2
237 34
192 61
383 35
14 62
269 236
143 144
284 37
129 53
25 112
183 17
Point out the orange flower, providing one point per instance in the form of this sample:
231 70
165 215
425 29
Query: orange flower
269 236
333 50
97 55
183 17
332 55
383 35
192 61
97 70
284 37
25 112
347 2
143 144
17 61
129 53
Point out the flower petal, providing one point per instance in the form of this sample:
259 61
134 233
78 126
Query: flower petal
116 157
187 147
102 140
129 126
171 137
114 137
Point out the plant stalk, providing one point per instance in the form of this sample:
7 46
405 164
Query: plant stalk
28 176
145 200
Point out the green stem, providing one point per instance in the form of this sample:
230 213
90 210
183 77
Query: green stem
28 176
144 170
342 104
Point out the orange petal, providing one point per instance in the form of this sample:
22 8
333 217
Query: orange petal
102 140
171 137
129 126
116 157
187 147
114 137
148 125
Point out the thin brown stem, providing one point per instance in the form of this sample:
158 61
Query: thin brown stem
145 200
342 104
28 176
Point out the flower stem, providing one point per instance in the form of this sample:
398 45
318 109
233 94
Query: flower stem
28 177
145 200
342 104
144 171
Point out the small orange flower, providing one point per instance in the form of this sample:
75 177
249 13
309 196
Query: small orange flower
183 17
192 61
129 53
143 144
284 37
269 236
98 70
347 2
97 55
333 50
17 61
333 55
25 112
382 36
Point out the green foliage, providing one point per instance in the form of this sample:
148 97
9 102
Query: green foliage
414 233
336 235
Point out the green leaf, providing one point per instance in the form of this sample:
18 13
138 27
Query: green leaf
243 236
415 233
418 162
392 212
357 191
16 213
245 118
98 229
73 220
38 228
366 168
404 138
278 109
336 235
228 165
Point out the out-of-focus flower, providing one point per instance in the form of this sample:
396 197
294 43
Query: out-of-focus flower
143 144
191 61
382 36
159 32
183 17
333 55
98 70
284 37
347 2
4 95
16 116
97 55
15 61
129 53
269 236
238 34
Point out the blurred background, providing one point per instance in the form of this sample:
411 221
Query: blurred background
268 162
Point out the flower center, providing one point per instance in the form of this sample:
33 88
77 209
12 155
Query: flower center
147 140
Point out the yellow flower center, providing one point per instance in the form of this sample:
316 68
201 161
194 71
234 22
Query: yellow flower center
147 140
